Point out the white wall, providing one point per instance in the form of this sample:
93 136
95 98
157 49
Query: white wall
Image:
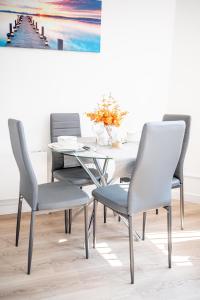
134 64
184 96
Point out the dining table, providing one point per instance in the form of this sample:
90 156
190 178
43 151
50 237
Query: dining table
111 163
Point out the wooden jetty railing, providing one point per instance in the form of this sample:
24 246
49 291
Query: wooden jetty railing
17 36
60 44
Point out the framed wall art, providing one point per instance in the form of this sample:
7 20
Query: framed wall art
71 25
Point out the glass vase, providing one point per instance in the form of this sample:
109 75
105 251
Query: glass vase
107 135
114 136
101 134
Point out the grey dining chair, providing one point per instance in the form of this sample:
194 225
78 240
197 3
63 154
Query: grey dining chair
150 184
68 124
178 180
49 196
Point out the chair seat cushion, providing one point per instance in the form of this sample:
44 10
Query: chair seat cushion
175 183
58 195
113 196
77 175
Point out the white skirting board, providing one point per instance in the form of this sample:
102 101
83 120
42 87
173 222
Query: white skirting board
9 206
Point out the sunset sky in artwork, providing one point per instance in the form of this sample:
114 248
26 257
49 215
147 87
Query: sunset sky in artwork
65 8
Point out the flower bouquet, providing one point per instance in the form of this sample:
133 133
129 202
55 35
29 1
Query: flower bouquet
109 116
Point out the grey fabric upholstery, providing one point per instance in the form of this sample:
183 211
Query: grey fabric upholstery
116 196
67 124
187 119
178 174
62 124
150 185
158 155
46 196
28 181
113 196
58 195
75 175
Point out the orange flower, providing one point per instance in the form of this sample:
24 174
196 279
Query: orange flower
108 112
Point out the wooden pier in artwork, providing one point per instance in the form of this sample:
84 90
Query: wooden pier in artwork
26 34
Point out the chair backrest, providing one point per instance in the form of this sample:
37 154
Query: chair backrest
187 119
158 155
28 181
63 124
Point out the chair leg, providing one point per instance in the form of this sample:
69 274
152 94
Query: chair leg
66 220
70 220
130 223
182 206
169 230
104 213
31 236
18 220
144 225
156 211
86 231
52 178
94 223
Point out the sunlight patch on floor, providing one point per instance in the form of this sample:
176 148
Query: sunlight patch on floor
182 261
62 241
106 252
159 239
177 236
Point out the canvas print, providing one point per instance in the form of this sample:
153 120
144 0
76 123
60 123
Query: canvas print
72 25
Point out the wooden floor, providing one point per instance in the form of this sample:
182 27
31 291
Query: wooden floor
60 270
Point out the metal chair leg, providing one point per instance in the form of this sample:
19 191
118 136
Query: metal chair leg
94 223
70 220
169 230
31 236
130 223
182 206
86 231
18 220
144 225
104 213
52 178
66 220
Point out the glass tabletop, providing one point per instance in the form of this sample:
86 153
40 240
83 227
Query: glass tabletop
127 150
